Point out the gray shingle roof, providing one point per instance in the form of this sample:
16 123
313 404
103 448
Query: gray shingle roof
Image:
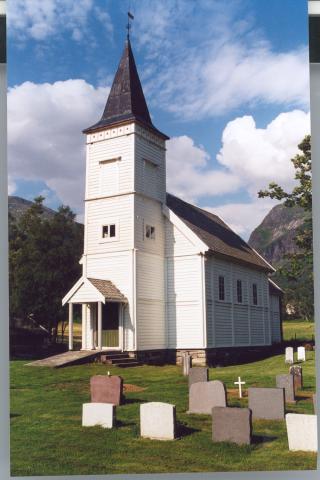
215 233
108 290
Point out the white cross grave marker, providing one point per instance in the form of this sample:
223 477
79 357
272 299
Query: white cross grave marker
240 386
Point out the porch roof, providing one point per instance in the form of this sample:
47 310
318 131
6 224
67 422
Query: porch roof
108 290
88 290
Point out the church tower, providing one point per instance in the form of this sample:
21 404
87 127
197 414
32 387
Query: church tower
124 223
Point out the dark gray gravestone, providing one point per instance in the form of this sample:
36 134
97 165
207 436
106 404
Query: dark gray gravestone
296 371
186 364
203 396
232 425
267 403
286 382
198 374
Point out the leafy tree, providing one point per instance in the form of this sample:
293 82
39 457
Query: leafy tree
44 258
297 271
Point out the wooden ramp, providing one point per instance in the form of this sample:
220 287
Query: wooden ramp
66 358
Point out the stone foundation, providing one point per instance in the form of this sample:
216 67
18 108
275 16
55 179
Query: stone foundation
212 357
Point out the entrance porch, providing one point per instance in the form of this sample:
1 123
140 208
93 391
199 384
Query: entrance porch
103 308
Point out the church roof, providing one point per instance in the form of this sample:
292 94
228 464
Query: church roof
216 234
126 101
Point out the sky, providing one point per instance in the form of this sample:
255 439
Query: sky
228 82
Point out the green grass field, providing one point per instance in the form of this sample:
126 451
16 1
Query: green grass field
47 437
299 329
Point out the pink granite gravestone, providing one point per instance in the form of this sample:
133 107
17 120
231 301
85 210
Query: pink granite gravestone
106 389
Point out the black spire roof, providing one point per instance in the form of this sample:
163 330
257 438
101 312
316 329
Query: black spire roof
126 99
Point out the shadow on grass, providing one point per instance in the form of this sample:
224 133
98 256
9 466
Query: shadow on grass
14 415
184 431
127 401
120 423
258 439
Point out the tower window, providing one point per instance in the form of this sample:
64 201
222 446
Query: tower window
109 231
255 294
221 288
150 232
239 291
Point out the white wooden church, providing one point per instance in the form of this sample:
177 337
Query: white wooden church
160 276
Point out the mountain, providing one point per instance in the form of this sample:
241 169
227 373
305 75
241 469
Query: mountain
275 236
17 206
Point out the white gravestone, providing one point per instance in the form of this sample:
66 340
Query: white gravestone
239 383
158 421
301 354
98 414
289 355
302 432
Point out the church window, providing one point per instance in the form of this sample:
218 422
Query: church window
221 288
150 232
109 231
255 294
239 291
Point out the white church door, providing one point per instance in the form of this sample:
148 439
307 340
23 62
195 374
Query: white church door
110 325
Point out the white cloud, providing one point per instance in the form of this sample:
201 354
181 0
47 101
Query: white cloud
41 19
243 218
44 134
250 158
261 155
189 173
219 64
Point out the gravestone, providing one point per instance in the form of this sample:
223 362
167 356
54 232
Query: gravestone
232 425
186 363
314 399
158 421
296 371
301 354
286 382
102 414
302 432
289 355
203 396
106 389
267 403
198 374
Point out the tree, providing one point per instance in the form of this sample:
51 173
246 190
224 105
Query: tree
297 271
44 255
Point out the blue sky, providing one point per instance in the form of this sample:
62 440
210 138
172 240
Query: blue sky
228 82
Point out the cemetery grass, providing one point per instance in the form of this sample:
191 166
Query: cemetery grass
299 329
47 437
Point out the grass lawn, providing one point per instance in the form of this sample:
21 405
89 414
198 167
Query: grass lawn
300 329
47 437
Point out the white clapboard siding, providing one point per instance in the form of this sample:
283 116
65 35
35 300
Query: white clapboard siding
230 323
100 154
275 319
118 268
86 293
151 328
150 175
149 212
177 244
118 210
184 302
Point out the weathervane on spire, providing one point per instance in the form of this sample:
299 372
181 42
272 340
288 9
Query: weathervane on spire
130 17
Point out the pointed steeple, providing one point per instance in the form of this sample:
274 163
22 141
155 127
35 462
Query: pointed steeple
126 99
